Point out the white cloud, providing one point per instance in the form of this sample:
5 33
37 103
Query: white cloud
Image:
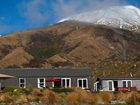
37 12
97 4
63 8
34 11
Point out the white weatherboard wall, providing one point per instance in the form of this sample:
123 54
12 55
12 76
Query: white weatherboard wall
105 85
136 83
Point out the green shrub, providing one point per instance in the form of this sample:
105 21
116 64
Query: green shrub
13 91
9 89
29 89
59 90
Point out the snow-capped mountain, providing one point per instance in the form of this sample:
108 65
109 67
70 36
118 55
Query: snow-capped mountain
126 17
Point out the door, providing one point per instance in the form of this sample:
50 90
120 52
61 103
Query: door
57 84
115 84
97 86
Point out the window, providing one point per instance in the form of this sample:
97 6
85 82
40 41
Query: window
22 82
41 82
124 84
82 82
110 85
127 83
66 82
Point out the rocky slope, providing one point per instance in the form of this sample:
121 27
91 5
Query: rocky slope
72 43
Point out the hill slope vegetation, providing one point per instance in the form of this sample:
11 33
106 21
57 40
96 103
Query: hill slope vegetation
109 51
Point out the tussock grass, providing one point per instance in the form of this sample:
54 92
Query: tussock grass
50 97
76 97
36 92
22 99
137 95
82 94
121 96
72 98
106 97
133 98
30 98
92 99
6 98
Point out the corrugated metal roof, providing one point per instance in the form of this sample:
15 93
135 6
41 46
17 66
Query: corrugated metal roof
40 72
120 78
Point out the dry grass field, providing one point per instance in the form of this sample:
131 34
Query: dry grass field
75 96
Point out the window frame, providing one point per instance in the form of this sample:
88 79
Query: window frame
112 85
38 82
22 83
65 79
82 79
126 81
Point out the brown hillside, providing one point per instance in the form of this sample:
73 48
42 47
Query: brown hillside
16 58
73 44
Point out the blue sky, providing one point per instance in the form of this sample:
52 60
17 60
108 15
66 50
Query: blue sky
18 15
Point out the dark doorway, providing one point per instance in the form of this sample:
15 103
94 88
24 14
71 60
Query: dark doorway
115 84
57 84
98 84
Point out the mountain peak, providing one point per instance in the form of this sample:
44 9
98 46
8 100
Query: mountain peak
126 17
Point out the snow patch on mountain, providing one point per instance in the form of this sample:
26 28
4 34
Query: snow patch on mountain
127 17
